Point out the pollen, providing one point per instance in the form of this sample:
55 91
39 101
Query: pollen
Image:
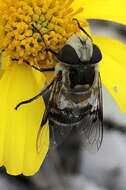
29 27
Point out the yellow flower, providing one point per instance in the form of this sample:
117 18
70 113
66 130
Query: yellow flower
20 42
20 39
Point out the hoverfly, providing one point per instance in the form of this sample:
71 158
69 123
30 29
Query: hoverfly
75 99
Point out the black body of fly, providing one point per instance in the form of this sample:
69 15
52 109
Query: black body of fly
75 99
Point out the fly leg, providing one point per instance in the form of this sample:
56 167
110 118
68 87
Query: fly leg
35 97
40 69
36 68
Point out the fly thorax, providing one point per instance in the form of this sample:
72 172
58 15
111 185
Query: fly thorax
75 88
79 78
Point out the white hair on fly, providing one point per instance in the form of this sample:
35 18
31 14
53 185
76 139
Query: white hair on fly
82 46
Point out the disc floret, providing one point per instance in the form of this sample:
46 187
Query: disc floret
20 40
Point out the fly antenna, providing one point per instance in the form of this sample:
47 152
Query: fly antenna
47 49
38 31
82 29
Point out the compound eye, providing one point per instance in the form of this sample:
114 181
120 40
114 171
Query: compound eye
97 55
68 55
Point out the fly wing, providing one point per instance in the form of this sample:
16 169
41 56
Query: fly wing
60 128
47 110
90 128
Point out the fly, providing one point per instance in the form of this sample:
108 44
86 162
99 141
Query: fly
75 100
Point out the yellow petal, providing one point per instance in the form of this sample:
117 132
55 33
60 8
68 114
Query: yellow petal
49 76
113 68
112 10
18 129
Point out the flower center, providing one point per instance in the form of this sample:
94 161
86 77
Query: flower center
28 27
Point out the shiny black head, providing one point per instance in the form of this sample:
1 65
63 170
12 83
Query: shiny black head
78 50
